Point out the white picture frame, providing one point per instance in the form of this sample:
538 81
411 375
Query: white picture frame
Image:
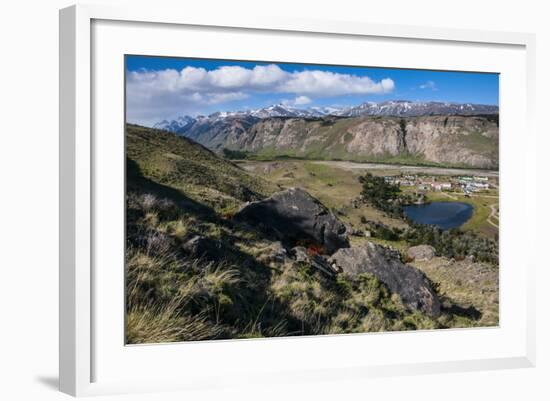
80 339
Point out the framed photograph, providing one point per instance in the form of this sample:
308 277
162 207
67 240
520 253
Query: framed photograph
277 200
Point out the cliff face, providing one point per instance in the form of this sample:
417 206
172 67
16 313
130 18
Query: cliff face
470 141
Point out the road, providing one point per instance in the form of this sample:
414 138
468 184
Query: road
494 215
354 166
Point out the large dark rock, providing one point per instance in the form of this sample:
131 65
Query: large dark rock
295 217
411 284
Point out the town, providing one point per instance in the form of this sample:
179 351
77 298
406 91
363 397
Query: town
466 184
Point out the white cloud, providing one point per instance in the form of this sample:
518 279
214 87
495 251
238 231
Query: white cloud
215 98
152 94
297 101
325 83
429 85
301 100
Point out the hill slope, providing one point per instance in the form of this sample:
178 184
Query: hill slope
182 164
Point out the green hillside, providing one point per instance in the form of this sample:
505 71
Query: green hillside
184 165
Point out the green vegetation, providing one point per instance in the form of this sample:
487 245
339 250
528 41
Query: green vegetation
455 243
478 142
409 159
382 195
235 154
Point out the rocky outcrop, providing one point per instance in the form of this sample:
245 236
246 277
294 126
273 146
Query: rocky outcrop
421 252
409 283
295 217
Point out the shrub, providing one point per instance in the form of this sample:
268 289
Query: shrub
380 193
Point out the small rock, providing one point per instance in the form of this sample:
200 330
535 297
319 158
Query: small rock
421 252
318 261
199 246
300 254
276 253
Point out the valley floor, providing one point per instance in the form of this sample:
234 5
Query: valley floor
336 183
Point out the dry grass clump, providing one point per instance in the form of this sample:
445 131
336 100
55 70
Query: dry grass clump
166 323
307 299
170 299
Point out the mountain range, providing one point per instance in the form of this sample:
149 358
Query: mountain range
395 108
434 133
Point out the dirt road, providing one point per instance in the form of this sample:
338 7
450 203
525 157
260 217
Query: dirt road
353 166
494 215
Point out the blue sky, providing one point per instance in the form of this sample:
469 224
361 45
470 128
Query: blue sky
160 88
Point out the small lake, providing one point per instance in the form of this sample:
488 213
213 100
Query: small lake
445 215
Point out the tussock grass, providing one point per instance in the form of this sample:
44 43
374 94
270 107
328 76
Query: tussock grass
163 293
166 323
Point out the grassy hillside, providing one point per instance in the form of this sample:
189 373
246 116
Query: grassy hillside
184 165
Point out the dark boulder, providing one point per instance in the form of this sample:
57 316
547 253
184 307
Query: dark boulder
295 217
409 283
202 247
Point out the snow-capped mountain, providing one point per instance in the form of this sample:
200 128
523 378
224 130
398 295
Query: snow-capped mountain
395 108
178 125
405 108
282 110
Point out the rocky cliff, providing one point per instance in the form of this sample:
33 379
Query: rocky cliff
466 141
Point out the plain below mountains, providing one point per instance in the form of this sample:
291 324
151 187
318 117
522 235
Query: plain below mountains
430 133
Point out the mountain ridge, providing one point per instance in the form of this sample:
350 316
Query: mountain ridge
390 108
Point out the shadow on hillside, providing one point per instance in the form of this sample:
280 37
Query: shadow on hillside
469 312
254 304
138 183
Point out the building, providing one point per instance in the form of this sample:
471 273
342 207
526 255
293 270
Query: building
480 185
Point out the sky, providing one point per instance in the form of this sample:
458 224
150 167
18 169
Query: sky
159 88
